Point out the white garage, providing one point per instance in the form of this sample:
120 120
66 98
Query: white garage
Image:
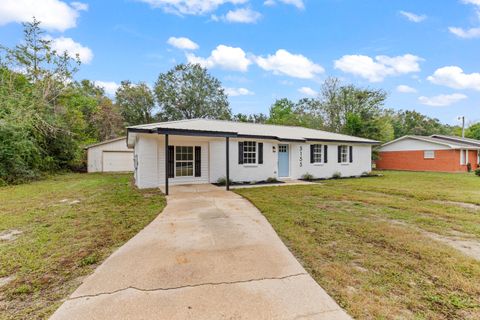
110 156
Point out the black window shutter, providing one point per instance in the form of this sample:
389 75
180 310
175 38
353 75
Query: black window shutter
240 153
339 154
325 153
351 153
171 161
260 153
312 160
198 161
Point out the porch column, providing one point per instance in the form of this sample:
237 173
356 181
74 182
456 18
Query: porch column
227 140
166 164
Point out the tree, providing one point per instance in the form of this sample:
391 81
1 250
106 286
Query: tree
340 102
414 123
108 120
187 91
254 118
281 112
473 131
135 102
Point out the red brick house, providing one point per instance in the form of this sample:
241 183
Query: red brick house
432 153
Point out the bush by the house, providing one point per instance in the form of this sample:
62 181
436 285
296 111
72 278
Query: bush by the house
307 176
477 172
222 181
337 175
469 167
272 180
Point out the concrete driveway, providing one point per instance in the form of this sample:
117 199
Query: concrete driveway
210 255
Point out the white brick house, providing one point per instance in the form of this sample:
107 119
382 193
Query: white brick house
196 150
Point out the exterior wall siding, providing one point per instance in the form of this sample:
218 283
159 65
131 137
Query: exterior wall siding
362 161
151 161
95 154
445 161
413 144
242 172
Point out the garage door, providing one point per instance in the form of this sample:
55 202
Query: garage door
117 161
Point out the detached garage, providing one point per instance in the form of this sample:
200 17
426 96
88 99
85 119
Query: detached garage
110 156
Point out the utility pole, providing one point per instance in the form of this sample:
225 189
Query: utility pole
463 126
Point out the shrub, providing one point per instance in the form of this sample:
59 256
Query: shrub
337 175
469 167
271 180
222 181
477 172
307 176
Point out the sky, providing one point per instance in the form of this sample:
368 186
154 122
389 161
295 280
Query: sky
424 54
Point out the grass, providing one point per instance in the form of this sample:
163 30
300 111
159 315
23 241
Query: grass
362 241
70 223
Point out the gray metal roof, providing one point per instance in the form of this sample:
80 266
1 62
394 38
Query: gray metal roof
245 129
453 142
456 139
105 142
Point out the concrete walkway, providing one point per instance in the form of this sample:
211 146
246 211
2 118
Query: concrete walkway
209 255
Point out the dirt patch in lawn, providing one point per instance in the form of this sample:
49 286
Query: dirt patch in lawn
469 247
10 235
465 205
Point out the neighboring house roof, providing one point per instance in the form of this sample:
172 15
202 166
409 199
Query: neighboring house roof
448 141
472 142
105 142
209 127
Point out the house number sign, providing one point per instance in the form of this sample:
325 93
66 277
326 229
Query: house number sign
301 156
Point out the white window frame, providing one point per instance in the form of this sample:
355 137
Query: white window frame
185 161
429 154
344 152
317 150
463 157
249 154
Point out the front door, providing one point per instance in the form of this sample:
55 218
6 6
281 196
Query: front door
283 161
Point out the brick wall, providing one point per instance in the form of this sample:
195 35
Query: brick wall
445 161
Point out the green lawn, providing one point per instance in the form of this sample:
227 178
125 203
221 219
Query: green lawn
363 241
69 223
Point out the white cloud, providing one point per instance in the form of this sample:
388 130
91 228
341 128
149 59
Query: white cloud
297 3
413 17
454 77
224 57
465 33
182 43
242 15
53 14
293 65
193 7
307 91
72 48
406 89
79 6
442 100
110 87
474 2
234 92
378 69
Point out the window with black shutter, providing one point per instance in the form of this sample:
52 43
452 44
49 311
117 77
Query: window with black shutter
171 162
240 152
316 153
198 161
350 151
260 153
325 153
